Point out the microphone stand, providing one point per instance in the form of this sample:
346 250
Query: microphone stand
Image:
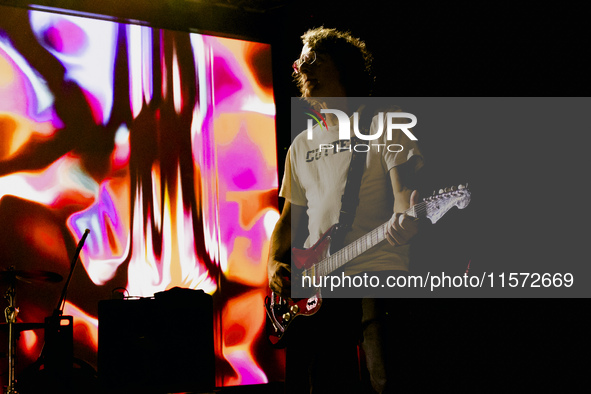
54 319
60 305
10 314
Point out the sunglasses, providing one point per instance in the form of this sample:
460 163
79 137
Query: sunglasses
308 58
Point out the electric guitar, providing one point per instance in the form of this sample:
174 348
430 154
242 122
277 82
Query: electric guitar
317 261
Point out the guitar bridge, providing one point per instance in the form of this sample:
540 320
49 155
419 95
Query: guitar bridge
270 302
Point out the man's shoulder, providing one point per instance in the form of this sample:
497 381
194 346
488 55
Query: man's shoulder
299 144
300 138
304 140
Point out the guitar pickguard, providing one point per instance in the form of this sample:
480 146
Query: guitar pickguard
282 313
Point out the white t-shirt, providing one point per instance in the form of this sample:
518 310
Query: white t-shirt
315 177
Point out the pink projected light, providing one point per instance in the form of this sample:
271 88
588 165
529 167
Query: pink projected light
161 143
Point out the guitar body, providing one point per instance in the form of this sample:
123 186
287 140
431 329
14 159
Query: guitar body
282 312
306 258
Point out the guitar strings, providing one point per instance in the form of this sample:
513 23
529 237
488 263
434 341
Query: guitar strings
369 240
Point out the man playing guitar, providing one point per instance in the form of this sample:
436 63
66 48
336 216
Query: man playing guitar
323 356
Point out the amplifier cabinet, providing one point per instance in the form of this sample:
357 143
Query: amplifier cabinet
157 345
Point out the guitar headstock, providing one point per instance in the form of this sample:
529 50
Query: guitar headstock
439 203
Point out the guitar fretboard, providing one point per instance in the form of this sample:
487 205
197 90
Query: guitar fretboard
433 208
361 245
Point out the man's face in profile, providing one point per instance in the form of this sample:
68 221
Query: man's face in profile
320 75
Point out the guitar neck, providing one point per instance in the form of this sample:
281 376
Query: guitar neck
361 245
432 208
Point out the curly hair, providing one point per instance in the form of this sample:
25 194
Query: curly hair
350 54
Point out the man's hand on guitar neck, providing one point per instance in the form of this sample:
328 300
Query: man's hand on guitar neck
403 226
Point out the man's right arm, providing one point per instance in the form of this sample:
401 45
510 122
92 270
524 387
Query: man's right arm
290 230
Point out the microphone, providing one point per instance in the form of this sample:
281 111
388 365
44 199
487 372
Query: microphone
80 244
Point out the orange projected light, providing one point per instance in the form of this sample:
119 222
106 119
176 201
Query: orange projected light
162 144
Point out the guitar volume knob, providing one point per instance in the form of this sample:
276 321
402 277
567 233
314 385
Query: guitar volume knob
294 309
286 316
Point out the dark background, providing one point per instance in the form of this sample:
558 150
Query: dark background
528 179
523 159
526 167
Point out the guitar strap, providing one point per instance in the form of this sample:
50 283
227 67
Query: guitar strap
350 197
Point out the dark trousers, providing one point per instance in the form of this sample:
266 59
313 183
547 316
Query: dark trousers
385 341
322 355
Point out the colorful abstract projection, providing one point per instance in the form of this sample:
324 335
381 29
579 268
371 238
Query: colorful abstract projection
163 144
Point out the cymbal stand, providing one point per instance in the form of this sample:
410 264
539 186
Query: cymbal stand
10 314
